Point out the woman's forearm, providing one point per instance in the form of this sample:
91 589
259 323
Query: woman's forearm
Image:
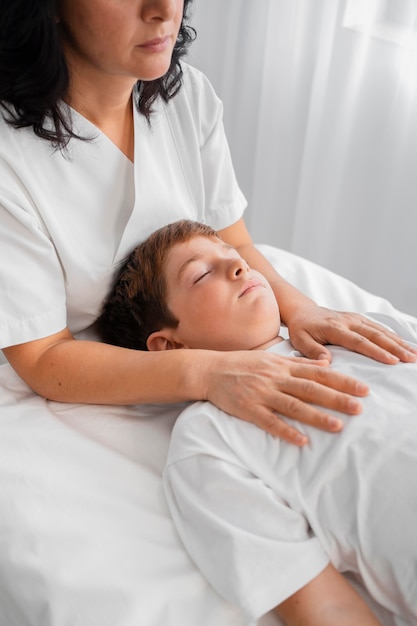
69 370
311 327
254 385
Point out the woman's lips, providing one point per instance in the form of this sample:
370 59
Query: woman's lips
156 45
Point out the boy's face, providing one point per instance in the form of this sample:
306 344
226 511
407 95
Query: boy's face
221 303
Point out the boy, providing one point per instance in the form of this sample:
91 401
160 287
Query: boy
269 524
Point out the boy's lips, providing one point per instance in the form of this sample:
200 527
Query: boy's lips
249 285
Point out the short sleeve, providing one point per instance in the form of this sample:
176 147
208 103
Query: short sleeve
32 291
196 118
247 542
224 198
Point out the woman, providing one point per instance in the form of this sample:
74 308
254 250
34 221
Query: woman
104 138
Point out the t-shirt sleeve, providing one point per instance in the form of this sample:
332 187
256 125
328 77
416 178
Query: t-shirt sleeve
32 291
204 150
225 201
247 542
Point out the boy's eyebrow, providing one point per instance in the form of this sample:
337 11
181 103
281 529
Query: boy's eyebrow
186 263
197 257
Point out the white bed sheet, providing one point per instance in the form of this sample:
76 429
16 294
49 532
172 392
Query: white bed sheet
85 533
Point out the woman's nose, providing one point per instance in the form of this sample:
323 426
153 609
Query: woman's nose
159 9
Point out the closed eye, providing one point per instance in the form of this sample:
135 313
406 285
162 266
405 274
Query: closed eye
197 280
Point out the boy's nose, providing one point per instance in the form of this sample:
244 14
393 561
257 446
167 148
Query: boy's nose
237 268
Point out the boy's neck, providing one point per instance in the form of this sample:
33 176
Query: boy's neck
268 344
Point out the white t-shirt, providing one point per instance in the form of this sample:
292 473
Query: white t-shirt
67 221
261 518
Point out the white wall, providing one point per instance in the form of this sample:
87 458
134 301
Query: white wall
322 123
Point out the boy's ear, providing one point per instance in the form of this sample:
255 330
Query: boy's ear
162 340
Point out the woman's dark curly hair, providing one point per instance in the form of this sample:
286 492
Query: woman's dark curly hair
34 77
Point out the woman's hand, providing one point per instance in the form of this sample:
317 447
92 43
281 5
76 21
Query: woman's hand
259 387
311 327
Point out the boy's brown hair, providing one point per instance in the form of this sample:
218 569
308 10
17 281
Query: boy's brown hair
136 306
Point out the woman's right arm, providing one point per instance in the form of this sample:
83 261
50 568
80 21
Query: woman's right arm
255 386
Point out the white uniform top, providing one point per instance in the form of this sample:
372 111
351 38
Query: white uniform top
78 546
68 220
261 518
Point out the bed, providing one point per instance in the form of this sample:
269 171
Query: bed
85 534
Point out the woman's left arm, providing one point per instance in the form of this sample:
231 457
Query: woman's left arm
312 327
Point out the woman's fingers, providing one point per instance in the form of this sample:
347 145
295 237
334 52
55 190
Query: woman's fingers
272 423
314 383
379 343
276 425
305 400
310 332
263 388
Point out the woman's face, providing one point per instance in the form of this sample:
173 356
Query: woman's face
119 38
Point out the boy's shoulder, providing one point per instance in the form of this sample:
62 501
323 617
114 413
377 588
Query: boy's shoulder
204 429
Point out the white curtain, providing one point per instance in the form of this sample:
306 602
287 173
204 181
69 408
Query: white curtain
320 104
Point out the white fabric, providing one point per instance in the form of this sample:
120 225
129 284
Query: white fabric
68 220
85 533
261 518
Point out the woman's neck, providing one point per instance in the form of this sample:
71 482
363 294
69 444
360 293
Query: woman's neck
108 106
